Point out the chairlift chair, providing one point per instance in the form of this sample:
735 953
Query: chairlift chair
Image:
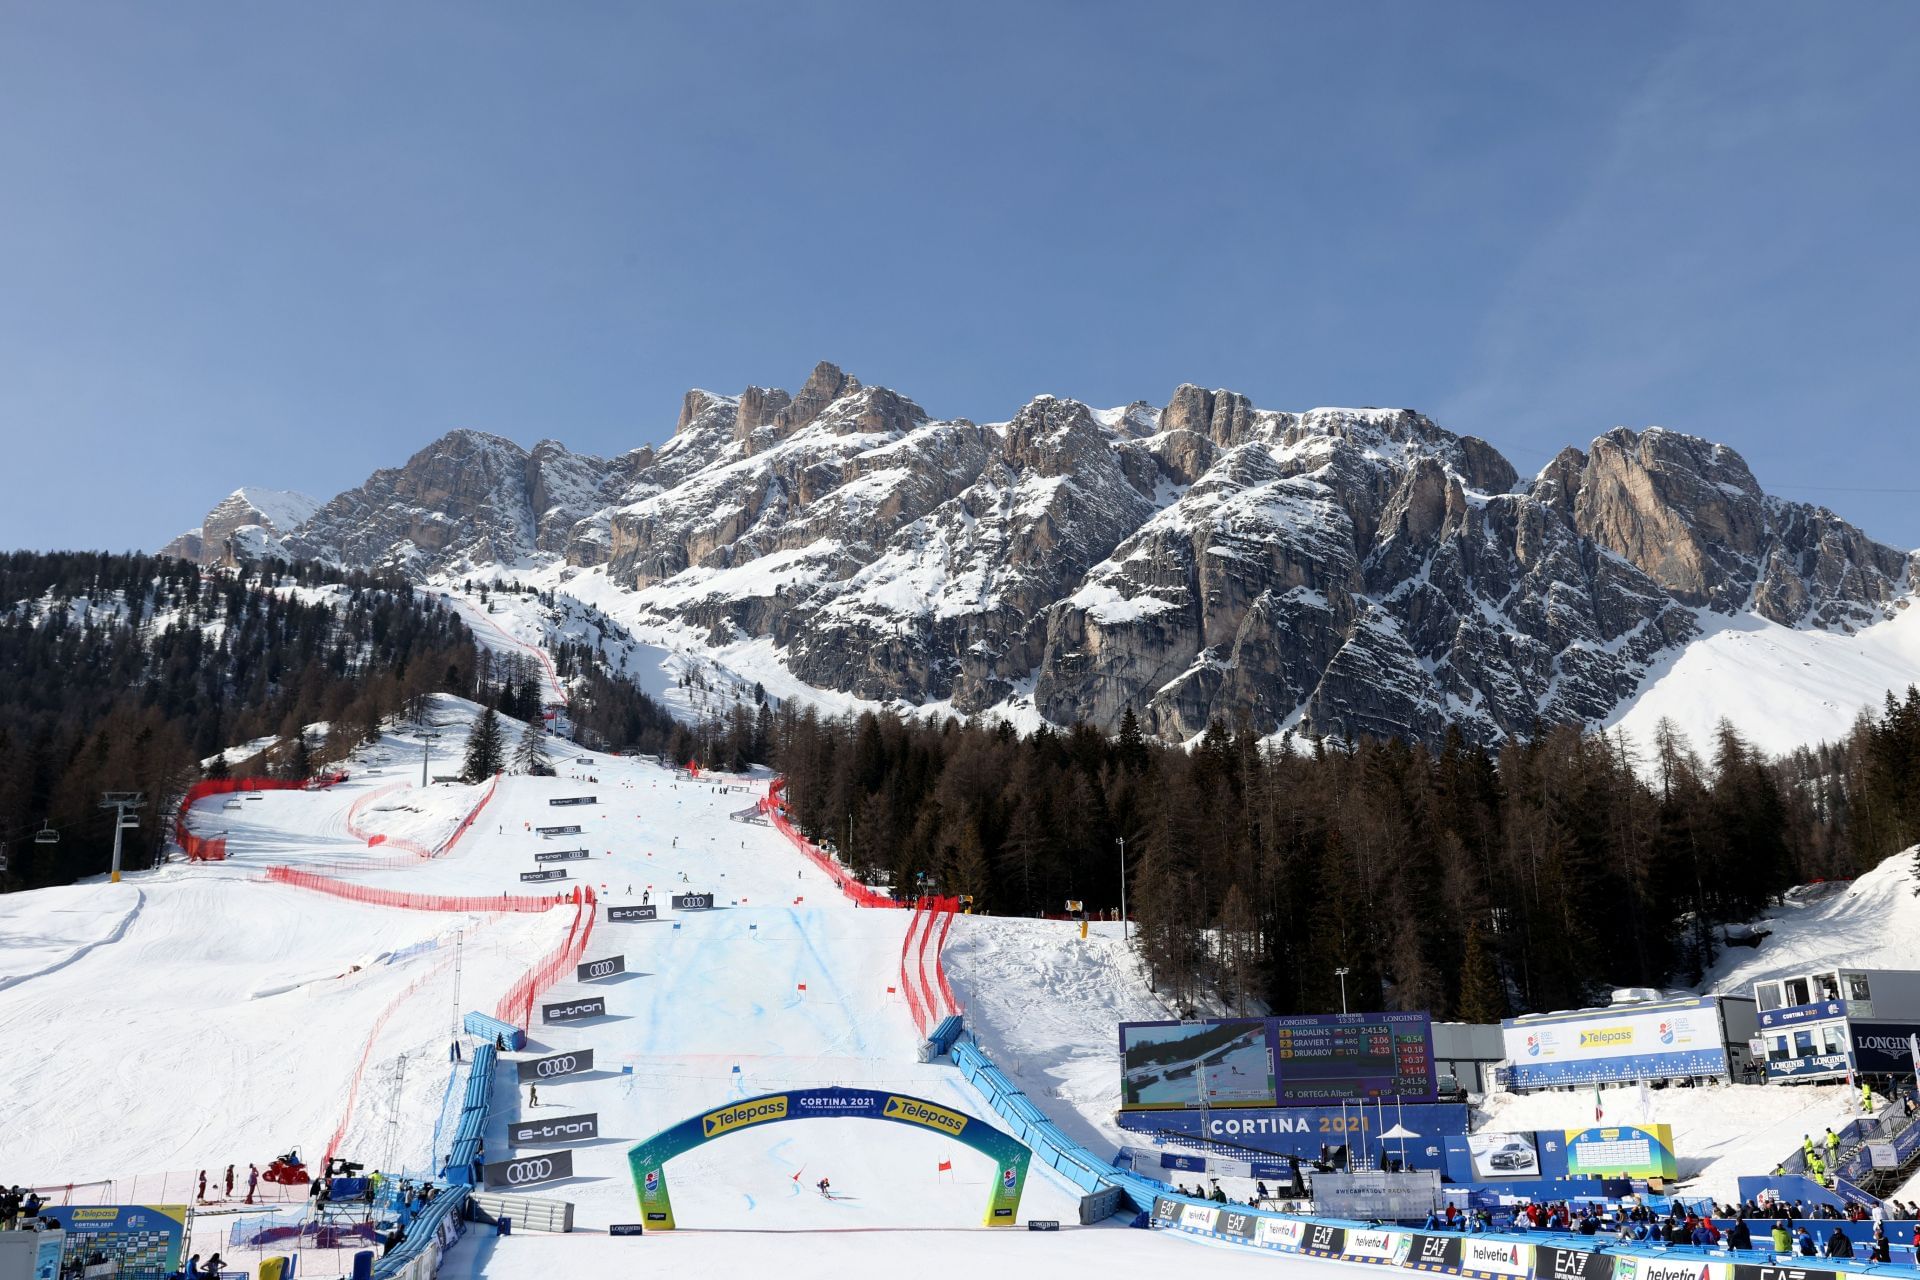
46 835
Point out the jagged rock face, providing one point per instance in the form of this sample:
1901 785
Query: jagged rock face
246 523
1342 571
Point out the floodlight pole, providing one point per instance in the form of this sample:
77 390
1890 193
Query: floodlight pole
1122 841
1341 973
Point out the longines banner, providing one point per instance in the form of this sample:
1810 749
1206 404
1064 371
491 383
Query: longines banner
574 1010
569 1063
526 1171
542 1133
562 855
602 968
629 915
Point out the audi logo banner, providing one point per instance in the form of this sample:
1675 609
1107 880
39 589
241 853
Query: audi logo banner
556 873
692 901
560 800
528 1170
628 915
562 855
546 1133
574 1010
569 1063
602 968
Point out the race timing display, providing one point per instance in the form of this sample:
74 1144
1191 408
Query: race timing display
1300 1060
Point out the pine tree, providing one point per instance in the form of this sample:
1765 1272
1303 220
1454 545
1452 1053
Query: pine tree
530 756
485 755
1483 998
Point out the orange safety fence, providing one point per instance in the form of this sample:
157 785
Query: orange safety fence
366 1051
939 957
420 901
862 895
517 1005
916 1006
214 848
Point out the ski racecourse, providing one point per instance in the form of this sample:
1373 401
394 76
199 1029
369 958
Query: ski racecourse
203 1014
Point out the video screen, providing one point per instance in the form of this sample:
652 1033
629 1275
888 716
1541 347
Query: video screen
1192 1064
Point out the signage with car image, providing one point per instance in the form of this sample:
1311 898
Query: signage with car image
1498 1156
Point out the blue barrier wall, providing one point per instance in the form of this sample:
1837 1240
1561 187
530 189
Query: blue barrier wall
445 1213
472 1124
491 1029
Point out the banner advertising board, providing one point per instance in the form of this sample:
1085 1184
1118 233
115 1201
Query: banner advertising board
1433 1253
558 801
604 968
1670 1038
1198 1217
1753 1271
574 1010
573 830
1883 1046
527 1171
543 1133
1323 1240
1621 1151
692 902
570 1063
562 855
556 873
1305 1060
1482 1257
1236 1223
1498 1156
1303 1131
1668 1268
141 1238
626 1229
1166 1211
631 915
1550 1262
1370 1246
1279 1233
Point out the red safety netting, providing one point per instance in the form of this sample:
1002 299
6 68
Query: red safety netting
366 1051
405 845
419 901
939 958
214 848
916 1003
862 895
517 1005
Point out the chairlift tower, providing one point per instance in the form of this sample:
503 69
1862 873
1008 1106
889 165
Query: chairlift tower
125 805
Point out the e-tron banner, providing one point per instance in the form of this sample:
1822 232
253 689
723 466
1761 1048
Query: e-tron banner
562 855
692 901
1750 1271
602 968
1433 1253
573 830
574 1010
569 1063
557 873
526 1171
629 915
561 800
546 1133
1550 1262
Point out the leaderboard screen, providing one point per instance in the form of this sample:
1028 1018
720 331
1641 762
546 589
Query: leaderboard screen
1351 1057
1306 1060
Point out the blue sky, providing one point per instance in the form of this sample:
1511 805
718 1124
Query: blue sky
285 245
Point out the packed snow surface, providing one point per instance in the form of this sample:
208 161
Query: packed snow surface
1872 923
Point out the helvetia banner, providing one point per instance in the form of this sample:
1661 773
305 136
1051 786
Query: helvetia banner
692 901
1370 1246
557 873
1198 1217
1670 1268
527 1171
602 968
562 855
1479 1257
570 1063
631 915
574 1010
545 1133
558 801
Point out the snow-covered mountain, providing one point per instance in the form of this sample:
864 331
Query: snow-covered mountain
252 519
1343 571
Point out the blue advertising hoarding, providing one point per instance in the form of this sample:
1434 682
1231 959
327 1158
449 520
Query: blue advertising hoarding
1305 1131
1298 1060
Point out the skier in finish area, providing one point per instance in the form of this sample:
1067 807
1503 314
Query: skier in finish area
826 1189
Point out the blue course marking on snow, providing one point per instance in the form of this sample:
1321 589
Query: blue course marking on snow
853 1024
749 1202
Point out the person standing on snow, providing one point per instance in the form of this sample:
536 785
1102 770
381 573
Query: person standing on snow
253 1180
229 1194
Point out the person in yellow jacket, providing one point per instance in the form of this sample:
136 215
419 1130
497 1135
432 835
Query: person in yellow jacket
1806 1145
1866 1098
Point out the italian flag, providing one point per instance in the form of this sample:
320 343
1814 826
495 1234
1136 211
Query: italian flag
1599 1113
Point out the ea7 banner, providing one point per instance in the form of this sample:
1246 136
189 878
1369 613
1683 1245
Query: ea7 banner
526 1171
692 901
562 855
602 968
1550 1262
574 1010
1322 1240
557 873
1750 1271
570 1063
1433 1253
557 801
631 915
542 1133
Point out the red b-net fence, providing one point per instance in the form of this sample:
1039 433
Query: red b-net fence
774 807
414 847
214 848
928 1000
916 1003
418 901
517 1005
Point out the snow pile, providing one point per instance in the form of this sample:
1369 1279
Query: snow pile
1873 923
